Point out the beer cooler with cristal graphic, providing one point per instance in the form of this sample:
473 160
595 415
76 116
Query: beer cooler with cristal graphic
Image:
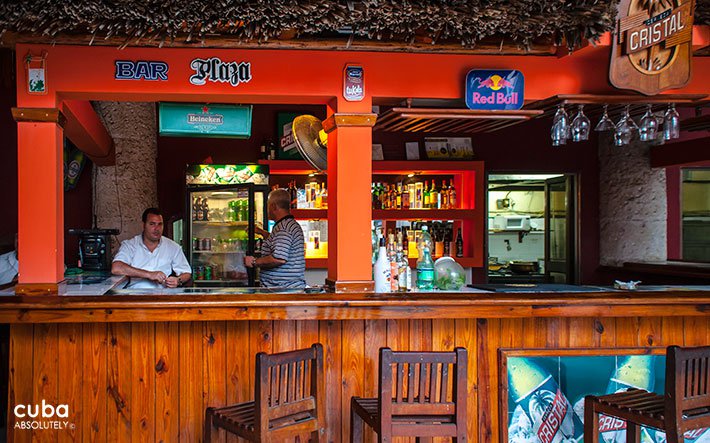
224 205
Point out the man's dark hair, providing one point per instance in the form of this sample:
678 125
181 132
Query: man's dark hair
154 211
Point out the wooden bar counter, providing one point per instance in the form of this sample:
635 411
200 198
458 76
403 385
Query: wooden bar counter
145 367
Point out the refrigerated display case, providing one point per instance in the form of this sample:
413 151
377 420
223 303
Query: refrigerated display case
220 227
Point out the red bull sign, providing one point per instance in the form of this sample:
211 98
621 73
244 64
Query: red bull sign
489 89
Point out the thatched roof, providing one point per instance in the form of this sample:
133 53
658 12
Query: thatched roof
464 22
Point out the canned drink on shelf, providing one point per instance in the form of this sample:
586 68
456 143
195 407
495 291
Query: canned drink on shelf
208 273
199 273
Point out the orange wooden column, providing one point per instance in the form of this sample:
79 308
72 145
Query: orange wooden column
349 128
40 140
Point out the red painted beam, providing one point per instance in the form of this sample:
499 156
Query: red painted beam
87 132
689 151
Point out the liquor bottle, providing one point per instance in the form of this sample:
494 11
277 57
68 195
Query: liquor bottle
452 195
324 197
425 270
405 197
448 237
535 391
382 269
444 196
398 196
418 195
438 242
402 266
459 244
262 152
405 241
407 271
394 265
433 196
319 197
272 150
393 197
293 193
427 195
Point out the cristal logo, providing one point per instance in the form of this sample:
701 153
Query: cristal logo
47 411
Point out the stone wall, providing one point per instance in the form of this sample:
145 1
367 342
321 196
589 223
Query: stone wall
632 204
123 191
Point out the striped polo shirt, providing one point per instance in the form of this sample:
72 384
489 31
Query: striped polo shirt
285 243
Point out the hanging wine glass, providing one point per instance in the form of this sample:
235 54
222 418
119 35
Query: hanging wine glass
648 126
671 123
560 127
605 123
624 130
580 126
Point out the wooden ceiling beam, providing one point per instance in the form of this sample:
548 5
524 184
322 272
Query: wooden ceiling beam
673 154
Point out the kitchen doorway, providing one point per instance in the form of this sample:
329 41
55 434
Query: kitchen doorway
531 228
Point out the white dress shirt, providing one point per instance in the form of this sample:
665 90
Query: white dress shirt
8 267
166 257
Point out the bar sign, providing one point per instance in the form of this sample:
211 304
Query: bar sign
353 83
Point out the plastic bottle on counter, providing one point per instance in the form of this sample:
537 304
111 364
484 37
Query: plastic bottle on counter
425 270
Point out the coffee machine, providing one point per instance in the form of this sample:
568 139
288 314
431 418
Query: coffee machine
94 248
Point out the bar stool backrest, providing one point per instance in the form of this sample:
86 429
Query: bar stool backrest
289 384
687 392
423 383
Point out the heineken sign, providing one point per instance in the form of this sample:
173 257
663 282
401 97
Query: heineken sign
217 71
204 120
652 45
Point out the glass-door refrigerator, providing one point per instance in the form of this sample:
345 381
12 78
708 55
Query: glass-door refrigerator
224 203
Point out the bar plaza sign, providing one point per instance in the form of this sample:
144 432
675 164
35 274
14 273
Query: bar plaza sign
500 89
652 45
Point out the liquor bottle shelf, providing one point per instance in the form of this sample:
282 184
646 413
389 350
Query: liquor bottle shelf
423 214
309 214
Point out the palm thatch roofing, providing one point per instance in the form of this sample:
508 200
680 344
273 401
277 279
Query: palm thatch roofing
467 22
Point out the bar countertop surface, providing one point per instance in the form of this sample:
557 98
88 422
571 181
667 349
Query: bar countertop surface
112 304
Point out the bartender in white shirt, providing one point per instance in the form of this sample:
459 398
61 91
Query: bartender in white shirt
150 259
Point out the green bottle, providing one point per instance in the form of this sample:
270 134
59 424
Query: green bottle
425 270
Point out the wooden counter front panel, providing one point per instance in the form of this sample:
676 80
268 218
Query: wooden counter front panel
152 381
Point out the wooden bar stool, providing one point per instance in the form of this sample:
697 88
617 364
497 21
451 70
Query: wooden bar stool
684 406
423 401
290 400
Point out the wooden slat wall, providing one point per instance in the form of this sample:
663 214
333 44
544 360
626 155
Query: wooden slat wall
152 381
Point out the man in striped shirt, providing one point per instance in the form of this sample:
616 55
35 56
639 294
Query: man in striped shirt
282 261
